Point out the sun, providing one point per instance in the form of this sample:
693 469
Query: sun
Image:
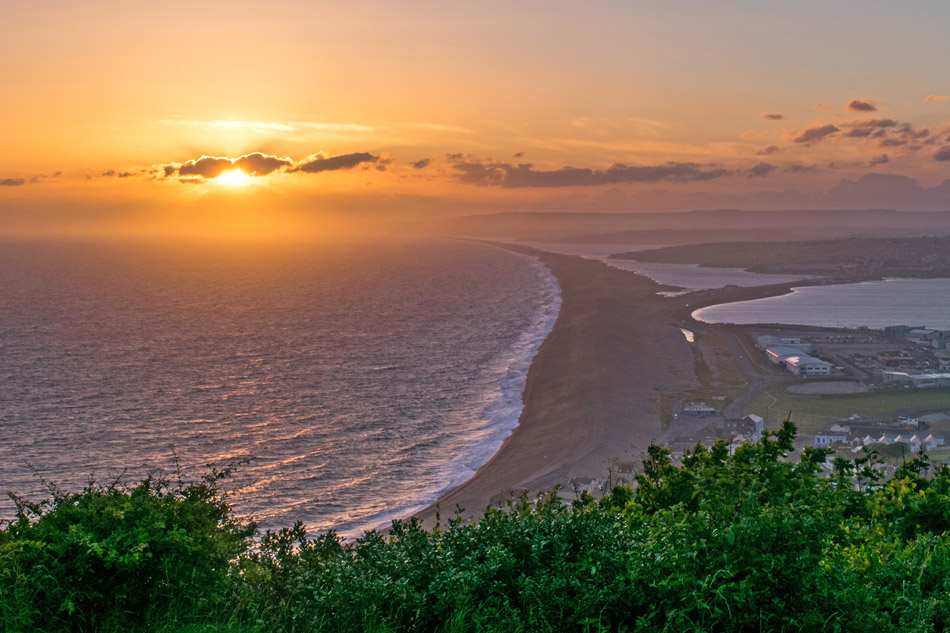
234 178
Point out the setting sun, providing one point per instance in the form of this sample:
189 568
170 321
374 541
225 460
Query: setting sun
233 178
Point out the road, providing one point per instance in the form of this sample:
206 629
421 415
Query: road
760 378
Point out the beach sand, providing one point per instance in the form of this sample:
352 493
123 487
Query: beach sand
593 390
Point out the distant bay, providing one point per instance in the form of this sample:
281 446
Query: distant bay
873 304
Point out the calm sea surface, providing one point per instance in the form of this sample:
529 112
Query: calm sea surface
359 381
873 304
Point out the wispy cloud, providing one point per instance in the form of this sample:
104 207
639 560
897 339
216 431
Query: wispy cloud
290 127
32 180
440 127
254 126
772 116
937 98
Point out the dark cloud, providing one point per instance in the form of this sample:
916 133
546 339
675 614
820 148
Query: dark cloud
519 155
771 149
126 174
814 134
454 158
761 170
879 160
861 105
909 131
12 182
478 174
770 116
524 175
942 154
317 164
859 132
206 167
797 168
893 142
872 123
258 164
421 163
108 173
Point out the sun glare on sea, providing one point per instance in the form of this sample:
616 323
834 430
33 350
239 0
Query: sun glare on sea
233 178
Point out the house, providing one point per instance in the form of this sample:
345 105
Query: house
699 408
827 439
758 424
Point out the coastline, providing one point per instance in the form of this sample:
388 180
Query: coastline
592 391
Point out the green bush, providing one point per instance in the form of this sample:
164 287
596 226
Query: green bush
117 557
750 541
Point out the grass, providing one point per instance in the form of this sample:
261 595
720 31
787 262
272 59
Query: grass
726 379
812 413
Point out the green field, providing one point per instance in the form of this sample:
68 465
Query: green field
811 413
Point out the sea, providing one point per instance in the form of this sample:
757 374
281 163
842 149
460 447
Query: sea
872 304
351 384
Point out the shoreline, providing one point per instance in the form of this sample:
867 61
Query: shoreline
592 390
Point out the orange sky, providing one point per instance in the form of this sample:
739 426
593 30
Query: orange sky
376 115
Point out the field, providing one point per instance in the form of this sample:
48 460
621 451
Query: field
813 413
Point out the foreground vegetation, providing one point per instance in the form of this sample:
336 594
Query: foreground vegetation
743 542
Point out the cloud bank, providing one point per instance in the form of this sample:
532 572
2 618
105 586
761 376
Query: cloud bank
257 164
524 175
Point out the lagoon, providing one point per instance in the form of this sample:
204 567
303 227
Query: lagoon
873 304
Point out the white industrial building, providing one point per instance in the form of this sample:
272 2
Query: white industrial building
807 366
918 380
778 353
765 342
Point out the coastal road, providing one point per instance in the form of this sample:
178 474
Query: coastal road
759 380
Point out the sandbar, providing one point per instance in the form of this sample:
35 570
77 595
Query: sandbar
592 393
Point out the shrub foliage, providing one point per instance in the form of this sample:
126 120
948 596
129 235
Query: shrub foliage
750 541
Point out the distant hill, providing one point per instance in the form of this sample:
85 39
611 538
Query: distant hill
840 258
695 226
